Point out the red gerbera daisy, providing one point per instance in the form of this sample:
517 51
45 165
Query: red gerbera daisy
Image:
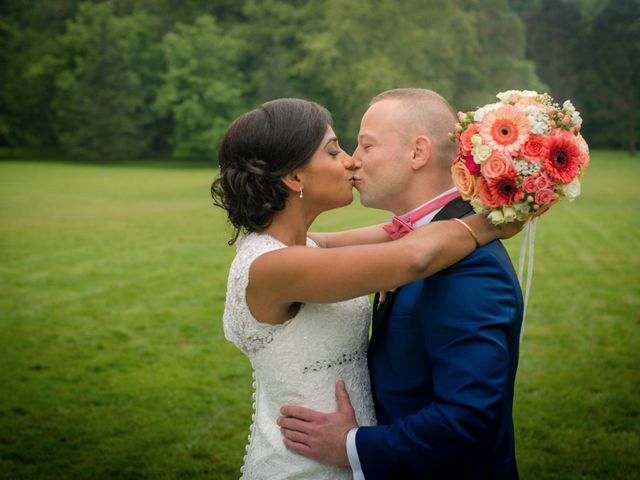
505 187
561 163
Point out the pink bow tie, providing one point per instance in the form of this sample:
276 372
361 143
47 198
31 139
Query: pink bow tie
403 224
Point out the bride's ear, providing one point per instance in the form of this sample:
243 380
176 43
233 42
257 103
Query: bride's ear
292 181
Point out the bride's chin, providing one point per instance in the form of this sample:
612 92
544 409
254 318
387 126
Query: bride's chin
348 201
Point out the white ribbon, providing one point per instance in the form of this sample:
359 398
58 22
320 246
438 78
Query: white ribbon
528 240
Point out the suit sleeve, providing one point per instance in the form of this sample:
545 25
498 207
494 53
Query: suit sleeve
467 313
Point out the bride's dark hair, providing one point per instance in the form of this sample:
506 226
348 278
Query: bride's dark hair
257 150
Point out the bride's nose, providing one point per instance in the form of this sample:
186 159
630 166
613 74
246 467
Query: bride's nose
347 161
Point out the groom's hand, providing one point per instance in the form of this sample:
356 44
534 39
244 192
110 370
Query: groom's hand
319 436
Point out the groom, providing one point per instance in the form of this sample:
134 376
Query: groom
444 350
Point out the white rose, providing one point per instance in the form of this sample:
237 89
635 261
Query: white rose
480 153
510 96
538 121
479 115
568 106
572 189
576 119
509 213
540 128
529 94
476 140
477 205
571 110
496 217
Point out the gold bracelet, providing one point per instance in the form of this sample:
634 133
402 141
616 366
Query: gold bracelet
473 234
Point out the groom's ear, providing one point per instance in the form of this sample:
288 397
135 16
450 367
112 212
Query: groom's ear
421 152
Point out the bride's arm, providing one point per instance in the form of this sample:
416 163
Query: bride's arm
324 275
355 236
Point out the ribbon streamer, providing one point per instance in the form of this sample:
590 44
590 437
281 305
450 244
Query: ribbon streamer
528 243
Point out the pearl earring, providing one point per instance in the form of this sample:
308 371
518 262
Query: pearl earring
301 194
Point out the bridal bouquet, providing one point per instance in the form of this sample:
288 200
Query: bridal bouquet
518 156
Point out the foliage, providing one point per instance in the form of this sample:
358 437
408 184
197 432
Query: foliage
590 52
467 51
105 83
146 78
202 89
114 365
611 84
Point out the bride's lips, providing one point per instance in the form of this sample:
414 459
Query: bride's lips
355 181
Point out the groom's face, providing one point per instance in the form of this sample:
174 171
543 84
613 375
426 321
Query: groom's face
382 169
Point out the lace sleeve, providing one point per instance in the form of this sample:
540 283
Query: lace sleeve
240 327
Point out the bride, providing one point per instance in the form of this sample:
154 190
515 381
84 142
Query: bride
296 302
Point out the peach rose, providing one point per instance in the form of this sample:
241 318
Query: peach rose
545 196
496 165
463 180
527 102
543 183
584 149
535 148
529 183
485 193
465 137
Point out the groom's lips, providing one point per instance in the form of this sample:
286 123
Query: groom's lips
355 181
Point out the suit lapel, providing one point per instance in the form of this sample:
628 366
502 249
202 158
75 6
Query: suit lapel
381 311
456 208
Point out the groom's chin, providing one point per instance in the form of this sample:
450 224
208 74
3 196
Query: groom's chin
363 200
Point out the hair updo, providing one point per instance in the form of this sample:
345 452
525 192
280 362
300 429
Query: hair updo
257 150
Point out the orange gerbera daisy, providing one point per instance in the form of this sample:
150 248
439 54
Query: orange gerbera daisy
505 129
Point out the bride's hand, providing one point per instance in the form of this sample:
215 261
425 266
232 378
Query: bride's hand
511 229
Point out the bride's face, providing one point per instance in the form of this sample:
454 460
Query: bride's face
327 177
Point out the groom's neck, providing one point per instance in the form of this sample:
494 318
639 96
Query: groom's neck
415 197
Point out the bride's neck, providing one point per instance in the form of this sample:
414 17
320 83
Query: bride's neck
290 226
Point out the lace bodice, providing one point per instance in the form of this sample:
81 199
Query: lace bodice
296 363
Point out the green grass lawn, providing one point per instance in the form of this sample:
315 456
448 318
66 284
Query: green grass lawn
113 363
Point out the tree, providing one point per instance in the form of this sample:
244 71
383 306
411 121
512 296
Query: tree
554 35
26 82
9 92
610 76
466 51
589 52
496 59
105 83
203 87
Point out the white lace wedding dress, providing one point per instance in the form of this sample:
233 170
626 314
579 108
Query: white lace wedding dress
296 363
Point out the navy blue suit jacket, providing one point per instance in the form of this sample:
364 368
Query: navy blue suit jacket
443 358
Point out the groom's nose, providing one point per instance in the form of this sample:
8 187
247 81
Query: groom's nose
355 160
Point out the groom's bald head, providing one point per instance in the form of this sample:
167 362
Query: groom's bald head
424 112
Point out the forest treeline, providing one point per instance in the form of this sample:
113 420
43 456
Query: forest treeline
150 78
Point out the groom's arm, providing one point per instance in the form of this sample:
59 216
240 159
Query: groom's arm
466 340
356 236
471 310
